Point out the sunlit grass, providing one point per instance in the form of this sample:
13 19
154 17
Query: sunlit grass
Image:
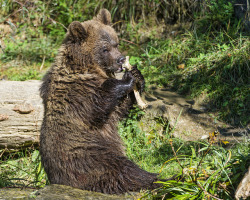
21 169
203 169
18 71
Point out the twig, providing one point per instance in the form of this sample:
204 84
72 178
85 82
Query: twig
3 151
171 144
42 63
54 21
204 155
130 42
117 22
206 192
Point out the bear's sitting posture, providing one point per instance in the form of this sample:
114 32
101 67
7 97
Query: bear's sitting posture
83 102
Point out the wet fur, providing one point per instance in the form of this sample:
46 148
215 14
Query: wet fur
79 142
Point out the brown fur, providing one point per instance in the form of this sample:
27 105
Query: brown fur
83 102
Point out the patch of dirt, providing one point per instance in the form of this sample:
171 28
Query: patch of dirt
189 119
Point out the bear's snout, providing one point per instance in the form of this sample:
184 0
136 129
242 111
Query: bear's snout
120 60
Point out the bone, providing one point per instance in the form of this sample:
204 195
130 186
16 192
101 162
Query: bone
139 100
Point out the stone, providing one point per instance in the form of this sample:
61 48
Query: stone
59 192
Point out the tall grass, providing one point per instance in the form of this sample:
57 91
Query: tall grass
21 169
211 58
215 66
203 169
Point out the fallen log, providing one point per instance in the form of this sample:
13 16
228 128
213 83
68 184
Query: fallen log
21 113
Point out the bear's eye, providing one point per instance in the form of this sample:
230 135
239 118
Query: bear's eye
105 50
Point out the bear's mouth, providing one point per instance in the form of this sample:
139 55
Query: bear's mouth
119 70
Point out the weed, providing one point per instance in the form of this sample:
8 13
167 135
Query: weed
209 172
204 170
22 169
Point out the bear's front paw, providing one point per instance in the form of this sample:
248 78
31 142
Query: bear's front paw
129 78
139 79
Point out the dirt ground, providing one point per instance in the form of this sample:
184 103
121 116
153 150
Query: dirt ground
190 118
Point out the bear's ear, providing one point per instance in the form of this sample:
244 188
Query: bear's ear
77 31
104 16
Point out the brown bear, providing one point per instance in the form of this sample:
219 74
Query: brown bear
83 102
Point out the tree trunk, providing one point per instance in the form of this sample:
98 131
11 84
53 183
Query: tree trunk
21 113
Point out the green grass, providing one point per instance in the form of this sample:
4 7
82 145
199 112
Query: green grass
21 72
21 169
214 53
217 66
203 169
27 59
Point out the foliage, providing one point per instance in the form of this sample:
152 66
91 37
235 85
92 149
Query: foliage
212 59
199 166
213 67
22 169
209 175
203 169
218 15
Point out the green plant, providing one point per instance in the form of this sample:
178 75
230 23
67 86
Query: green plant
203 170
22 169
209 172
215 64
218 15
211 58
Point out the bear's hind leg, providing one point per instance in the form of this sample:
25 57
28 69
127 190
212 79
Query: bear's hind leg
121 175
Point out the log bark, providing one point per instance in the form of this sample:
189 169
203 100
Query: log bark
21 113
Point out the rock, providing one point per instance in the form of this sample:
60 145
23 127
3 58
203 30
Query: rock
243 189
59 192
16 194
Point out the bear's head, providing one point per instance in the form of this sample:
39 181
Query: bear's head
98 41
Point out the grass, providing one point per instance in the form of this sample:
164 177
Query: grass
210 59
216 66
27 59
22 169
21 72
204 169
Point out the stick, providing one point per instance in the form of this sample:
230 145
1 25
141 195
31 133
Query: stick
140 102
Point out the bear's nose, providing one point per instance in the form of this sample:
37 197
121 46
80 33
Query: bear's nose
120 60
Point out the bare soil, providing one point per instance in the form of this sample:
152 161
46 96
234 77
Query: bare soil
190 119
